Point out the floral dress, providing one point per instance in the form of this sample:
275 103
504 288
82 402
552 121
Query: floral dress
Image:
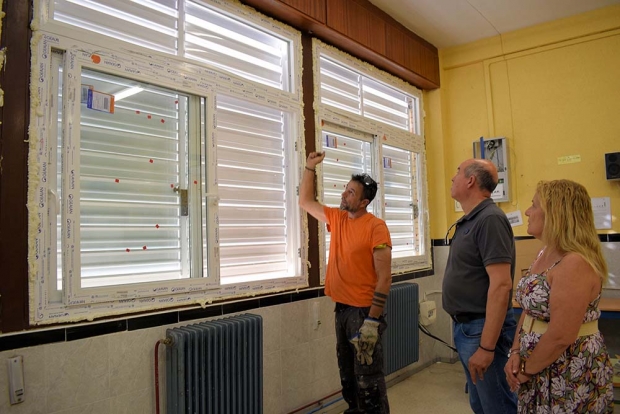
580 380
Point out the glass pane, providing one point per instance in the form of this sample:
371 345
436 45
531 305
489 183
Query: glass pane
344 156
214 38
340 87
133 159
148 23
385 104
402 201
252 191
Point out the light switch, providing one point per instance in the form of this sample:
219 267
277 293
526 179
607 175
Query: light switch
16 379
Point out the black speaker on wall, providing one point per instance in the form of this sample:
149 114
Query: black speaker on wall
612 165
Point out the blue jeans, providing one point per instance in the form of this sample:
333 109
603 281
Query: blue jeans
492 395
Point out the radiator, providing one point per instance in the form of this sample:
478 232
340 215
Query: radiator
216 367
401 339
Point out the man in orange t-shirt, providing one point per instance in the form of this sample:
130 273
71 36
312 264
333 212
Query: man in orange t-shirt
358 279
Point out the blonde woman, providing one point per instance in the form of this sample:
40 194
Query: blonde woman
558 361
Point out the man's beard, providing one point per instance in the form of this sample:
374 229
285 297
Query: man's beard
346 207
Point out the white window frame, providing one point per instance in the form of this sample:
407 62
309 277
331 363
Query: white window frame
349 122
291 73
188 77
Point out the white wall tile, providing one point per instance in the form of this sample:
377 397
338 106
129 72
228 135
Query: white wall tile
272 382
137 402
34 381
99 407
272 327
132 360
295 322
77 373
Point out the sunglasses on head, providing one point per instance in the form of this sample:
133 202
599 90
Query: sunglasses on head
367 180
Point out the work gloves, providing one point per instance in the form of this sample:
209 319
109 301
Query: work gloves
365 339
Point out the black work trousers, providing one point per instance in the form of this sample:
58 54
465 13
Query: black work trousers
363 386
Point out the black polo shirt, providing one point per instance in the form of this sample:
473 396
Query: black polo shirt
482 237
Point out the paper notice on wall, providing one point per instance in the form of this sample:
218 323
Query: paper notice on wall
515 218
601 207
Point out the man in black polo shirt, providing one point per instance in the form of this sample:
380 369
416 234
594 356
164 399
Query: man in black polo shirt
477 288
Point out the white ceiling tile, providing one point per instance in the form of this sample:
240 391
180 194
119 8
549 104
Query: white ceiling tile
446 23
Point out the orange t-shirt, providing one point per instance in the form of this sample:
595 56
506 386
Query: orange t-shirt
351 278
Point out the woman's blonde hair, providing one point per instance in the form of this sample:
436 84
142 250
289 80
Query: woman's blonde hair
569 222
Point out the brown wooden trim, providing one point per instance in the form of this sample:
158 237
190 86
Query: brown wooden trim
393 22
307 84
426 77
14 79
314 8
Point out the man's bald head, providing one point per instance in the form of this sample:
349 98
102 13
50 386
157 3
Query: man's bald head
484 171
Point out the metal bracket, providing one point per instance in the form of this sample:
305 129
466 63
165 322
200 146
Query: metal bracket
184 201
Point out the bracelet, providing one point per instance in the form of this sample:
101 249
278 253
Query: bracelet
513 351
486 349
310 169
522 368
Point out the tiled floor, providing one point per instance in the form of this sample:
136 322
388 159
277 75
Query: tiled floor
438 389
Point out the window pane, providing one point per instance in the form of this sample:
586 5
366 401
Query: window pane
235 46
340 87
401 201
385 104
252 191
131 162
344 156
148 23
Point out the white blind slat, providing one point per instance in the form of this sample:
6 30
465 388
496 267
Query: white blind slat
221 41
208 36
152 24
252 190
400 196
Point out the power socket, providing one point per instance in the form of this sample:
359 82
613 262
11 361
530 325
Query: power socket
428 312
16 379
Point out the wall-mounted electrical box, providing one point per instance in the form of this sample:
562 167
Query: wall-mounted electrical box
496 151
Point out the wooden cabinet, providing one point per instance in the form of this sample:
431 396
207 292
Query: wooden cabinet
363 30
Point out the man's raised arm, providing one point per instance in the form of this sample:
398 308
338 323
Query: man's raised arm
307 198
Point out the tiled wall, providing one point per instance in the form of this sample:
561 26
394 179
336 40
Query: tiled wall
114 373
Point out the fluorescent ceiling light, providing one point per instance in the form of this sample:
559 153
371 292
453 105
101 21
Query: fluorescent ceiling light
127 93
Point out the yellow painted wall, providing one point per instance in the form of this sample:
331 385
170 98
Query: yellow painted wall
552 90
